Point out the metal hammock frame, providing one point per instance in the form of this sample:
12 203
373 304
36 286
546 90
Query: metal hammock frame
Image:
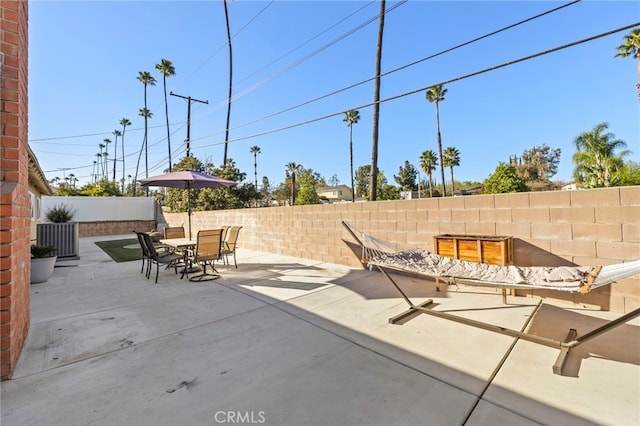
374 249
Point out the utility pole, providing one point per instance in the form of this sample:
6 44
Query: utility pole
189 101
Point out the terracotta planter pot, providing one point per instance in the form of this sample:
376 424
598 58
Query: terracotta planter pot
42 268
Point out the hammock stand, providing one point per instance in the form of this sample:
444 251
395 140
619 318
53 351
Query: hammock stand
371 257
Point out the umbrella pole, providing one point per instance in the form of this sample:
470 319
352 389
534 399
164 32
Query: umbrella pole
189 206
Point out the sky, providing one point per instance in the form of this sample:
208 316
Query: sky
299 65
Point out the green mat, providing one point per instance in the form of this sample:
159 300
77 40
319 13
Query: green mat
118 251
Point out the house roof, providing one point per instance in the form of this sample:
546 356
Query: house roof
36 175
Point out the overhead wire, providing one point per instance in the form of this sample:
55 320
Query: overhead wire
423 88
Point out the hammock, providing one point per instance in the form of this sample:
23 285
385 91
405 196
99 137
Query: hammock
385 255
563 278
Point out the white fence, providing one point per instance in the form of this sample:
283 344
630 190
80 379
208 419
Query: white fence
96 209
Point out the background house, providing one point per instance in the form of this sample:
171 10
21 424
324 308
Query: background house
335 193
38 186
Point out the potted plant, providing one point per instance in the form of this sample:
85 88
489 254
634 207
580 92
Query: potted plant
43 260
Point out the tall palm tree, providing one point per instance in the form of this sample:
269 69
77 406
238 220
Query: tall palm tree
167 70
351 117
428 163
124 123
226 132
451 159
101 160
292 170
376 107
596 163
255 150
146 114
106 141
436 94
146 79
631 48
116 133
98 163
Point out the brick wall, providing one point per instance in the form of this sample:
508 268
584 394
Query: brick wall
588 227
90 229
14 190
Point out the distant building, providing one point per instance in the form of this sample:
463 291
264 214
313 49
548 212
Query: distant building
335 194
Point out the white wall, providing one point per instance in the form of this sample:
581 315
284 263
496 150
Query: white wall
91 209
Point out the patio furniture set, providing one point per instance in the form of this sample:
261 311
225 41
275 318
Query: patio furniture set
176 250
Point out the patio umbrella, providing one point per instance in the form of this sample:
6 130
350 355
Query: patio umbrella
187 179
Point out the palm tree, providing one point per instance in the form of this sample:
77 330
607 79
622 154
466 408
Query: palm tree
116 133
436 94
596 164
451 159
98 163
124 123
167 70
255 150
101 160
428 163
106 141
351 117
146 79
376 107
226 132
292 170
631 48
146 114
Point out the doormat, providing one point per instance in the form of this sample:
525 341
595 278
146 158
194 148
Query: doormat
125 250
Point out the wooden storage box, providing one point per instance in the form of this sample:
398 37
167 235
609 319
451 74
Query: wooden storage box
494 250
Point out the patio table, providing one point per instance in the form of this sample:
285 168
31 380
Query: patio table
181 244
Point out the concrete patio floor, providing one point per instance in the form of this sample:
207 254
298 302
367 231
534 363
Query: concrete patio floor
287 341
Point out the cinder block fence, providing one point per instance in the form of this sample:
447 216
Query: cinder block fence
583 227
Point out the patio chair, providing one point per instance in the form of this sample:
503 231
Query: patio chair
164 258
174 232
207 251
230 243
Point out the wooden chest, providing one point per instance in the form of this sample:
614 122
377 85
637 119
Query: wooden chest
494 250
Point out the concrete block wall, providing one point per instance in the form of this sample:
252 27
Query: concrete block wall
585 227
15 223
91 229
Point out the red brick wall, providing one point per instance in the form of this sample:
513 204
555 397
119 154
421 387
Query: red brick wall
14 192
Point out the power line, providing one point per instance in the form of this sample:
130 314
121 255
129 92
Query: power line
352 86
422 89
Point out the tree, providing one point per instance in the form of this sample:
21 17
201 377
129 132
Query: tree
351 117
146 79
406 177
596 163
436 94
308 189
363 181
292 170
538 164
428 163
226 131
146 114
106 141
265 191
630 174
124 123
255 150
451 159
376 107
503 180
101 188
116 133
631 48
167 69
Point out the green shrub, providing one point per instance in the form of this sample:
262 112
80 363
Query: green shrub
42 251
60 214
